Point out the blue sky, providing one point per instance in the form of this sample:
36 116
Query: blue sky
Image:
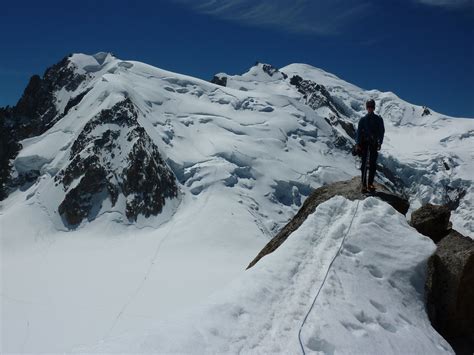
420 49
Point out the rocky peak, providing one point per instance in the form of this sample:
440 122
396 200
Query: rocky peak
36 110
114 159
316 95
34 114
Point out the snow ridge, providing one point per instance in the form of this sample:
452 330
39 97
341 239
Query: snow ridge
374 290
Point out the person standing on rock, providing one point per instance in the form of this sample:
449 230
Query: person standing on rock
369 140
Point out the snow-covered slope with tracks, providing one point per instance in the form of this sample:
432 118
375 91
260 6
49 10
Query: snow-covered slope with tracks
360 263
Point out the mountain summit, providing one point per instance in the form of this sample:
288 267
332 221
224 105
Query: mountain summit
426 155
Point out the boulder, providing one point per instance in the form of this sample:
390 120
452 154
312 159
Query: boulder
350 189
219 80
450 291
432 221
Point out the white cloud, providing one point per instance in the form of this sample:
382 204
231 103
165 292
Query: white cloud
323 17
448 3
320 17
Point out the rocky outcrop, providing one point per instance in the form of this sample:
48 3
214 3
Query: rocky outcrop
349 189
348 127
426 111
219 80
34 114
74 101
36 111
113 156
271 70
450 291
450 278
432 221
317 96
9 148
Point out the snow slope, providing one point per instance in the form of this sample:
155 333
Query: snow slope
370 303
245 157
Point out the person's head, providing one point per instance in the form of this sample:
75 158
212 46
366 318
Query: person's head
370 105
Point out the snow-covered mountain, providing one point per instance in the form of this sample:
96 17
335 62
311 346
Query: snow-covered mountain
144 191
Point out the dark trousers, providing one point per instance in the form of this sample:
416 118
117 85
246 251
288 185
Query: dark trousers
369 162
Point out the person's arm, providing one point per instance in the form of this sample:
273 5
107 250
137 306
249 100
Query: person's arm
381 133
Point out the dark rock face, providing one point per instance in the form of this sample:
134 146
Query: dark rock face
79 201
432 221
316 95
34 114
74 101
112 156
271 70
426 111
222 81
348 127
9 148
349 189
450 291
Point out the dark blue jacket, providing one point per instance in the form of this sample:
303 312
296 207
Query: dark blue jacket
370 130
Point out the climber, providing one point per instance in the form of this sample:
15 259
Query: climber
369 140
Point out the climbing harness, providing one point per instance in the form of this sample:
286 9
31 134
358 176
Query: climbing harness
325 277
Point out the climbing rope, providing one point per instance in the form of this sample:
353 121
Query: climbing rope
325 277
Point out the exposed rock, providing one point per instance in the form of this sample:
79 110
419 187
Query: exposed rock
112 156
317 96
9 148
426 111
74 101
271 70
450 291
79 201
432 221
348 127
219 80
34 114
349 189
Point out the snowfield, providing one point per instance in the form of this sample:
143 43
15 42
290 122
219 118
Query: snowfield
370 303
245 157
